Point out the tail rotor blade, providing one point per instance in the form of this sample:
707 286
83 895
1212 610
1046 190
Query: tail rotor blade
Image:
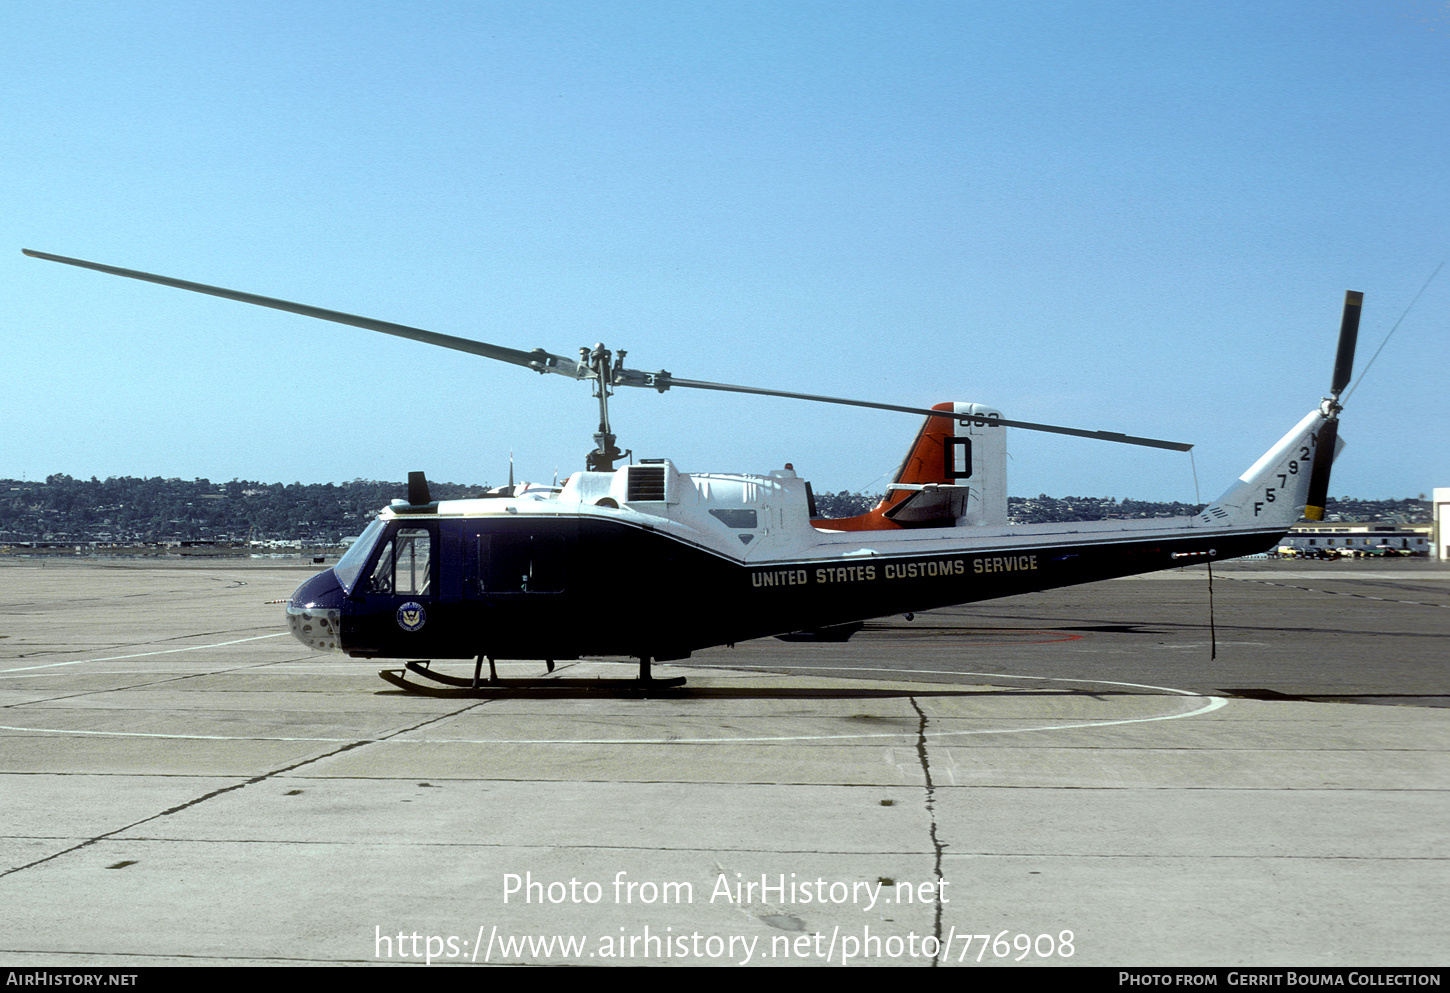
1348 335
1327 441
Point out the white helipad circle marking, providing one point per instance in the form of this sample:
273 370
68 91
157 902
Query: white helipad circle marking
1211 703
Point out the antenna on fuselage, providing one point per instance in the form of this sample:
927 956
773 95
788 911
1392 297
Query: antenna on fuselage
418 493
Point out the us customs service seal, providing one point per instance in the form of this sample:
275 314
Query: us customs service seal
411 616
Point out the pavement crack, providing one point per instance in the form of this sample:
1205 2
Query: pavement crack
349 746
936 843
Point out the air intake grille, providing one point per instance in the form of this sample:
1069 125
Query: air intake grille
646 482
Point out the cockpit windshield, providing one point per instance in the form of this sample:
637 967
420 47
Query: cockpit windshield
356 556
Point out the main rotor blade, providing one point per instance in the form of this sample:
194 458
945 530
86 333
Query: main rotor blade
537 360
1125 439
542 361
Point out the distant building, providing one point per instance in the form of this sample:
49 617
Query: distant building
1442 523
1358 539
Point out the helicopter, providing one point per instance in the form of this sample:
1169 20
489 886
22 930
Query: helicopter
650 562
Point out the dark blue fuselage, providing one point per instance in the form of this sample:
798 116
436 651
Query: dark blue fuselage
557 587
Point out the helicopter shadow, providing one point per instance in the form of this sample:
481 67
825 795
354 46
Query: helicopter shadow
575 689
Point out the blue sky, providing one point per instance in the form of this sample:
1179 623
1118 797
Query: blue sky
1138 217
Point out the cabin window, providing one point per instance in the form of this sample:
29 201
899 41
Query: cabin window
742 519
404 566
521 563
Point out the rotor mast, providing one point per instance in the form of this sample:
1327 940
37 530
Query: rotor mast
596 361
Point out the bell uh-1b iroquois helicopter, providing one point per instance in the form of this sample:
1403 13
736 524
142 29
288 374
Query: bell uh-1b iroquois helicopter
649 562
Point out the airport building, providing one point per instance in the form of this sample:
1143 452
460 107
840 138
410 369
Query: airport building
1360 539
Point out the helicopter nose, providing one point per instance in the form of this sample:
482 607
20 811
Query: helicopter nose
314 613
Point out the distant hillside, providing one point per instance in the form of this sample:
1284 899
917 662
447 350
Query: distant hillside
129 511
1042 508
1045 509
132 511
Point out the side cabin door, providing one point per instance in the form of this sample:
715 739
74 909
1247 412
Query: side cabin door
405 604
516 582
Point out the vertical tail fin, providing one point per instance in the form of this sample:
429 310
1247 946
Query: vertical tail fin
1291 480
953 473
1274 489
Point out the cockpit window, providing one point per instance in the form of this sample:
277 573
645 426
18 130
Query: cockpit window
357 554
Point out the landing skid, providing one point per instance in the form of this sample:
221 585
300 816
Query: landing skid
460 687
